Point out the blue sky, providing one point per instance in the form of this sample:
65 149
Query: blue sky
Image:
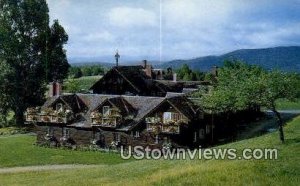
174 29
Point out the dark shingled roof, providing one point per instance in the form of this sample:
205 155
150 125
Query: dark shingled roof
138 106
136 77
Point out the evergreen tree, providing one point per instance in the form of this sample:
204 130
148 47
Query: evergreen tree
28 45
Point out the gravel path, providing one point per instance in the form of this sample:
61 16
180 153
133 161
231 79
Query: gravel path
45 168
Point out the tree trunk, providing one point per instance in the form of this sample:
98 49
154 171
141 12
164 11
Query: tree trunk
280 125
19 117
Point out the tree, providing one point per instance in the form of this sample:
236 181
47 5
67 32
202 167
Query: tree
4 101
273 86
56 65
86 71
75 72
241 86
27 45
186 74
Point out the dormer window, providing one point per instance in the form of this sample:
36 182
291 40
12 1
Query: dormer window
106 111
171 117
167 117
59 107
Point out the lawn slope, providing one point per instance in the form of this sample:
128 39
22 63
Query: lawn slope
284 171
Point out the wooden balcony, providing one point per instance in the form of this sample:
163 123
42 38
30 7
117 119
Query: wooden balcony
166 125
170 129
47 116
110 121
154 127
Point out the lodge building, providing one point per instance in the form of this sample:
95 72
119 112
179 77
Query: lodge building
129 105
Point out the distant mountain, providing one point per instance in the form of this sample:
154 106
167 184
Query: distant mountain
283 58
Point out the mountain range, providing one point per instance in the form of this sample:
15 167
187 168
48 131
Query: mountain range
283 58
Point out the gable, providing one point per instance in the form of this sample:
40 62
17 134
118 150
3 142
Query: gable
114 82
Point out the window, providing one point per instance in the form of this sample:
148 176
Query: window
117 137
96 135
201 134
167 116
66 132
59 107
208 129
106 111
171 116
156 139
50 131
137 134
195 137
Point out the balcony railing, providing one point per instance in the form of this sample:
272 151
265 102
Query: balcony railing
170 125
111 120
152 127
49 116
171 129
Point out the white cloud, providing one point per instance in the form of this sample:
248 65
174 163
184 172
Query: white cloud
190 28
99 36
130 17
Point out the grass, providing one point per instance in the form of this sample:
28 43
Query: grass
12 130
283 104
82 84
19 150
284 171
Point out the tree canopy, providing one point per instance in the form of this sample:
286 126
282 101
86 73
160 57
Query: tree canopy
186 74
32 51
241 86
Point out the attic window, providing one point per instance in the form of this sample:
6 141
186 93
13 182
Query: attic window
171 117
106 110
167 116
59 107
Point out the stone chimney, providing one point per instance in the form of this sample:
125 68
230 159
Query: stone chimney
147 68
144 64
55 89
174 77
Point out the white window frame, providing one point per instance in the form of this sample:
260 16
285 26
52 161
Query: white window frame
59 106
171 116
167 116
106 111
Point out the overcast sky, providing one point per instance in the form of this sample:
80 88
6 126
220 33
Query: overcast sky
174 29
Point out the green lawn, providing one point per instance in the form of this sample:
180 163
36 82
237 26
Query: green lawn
283 104
18 150
82 84
284 171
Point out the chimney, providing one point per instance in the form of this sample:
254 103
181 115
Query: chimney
147 68
174 77
55 89
58 89
144 64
